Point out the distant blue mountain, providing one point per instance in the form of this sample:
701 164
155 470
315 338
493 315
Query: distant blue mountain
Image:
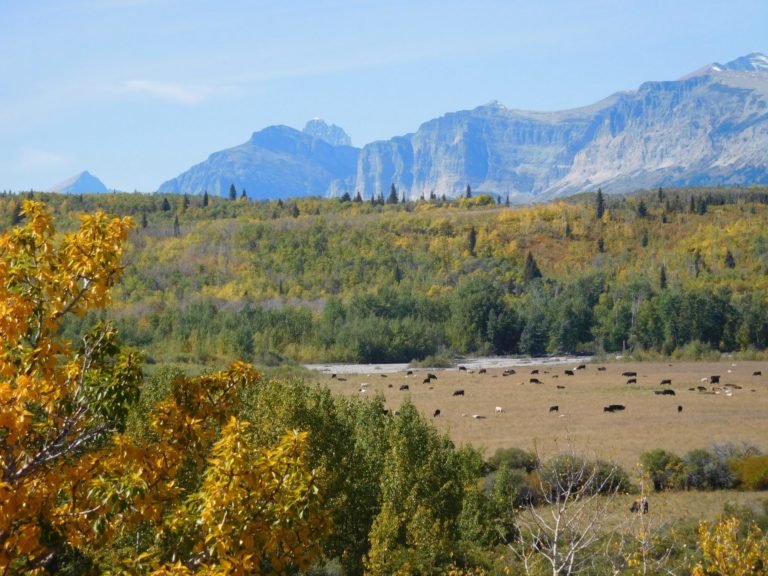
710 127
83 183
277 162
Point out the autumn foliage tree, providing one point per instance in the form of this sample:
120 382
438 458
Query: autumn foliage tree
206 496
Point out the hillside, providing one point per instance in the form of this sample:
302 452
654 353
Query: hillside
670 271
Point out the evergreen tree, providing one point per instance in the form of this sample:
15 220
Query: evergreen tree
243 194
16 213
165 206
530 269
506 203
701 207
205 198
730 261
432 196
472 240
644 239
663 277
392 199
599 204
176 228
232 192
294 210
185 201
143 219
358 197
568 231
660 195
468 193
642 209
692 207
345 197
600 245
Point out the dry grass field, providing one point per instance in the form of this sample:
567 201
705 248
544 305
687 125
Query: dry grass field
737 413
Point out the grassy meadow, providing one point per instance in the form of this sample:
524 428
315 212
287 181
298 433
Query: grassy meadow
650 421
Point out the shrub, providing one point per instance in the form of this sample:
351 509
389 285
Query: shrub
513 458
666 470
751 472
705 471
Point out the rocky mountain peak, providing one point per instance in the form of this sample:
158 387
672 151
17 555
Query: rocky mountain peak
334 135
82 183
755 62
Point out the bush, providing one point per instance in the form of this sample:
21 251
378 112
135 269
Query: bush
705 471
751 472
667 470
513 458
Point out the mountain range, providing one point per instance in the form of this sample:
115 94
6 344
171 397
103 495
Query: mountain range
709 127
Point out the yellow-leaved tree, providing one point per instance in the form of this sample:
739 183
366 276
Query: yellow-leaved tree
193 493
728 552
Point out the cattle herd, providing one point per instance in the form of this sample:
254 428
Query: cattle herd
541 377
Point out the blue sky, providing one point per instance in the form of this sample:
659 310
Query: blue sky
136 91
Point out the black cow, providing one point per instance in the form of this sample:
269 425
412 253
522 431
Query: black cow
458 392
409 373
617 407
666 381
436 413
463 368
404 387
554 408
426 381
333 375
482 371
535 381
757 373
632 381
559 387
569 372
431 376
679 409
581 367
535 371
665 392
629 374
607 409
714 379
601 368
639 506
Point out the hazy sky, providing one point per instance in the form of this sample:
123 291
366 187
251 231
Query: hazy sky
136 91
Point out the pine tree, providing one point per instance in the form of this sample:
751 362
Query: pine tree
176 228
662 277
599 204
294 210
600 245
468 193
205 198
166 206
530 269
392 199
642 209
345 197
358 197
143 219
472 240
644 239
660 195
232 192
243 194
730 261
185 201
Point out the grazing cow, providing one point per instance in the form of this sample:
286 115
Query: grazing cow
482 371
431 376
607 409
436 413
617 407
333 375
639 506
404 387
629 374
581 367
462 368
535 371
601 368
757 373
426 381
569 372
383 375
499 410
632 381
665 392
389 385
535 381
666 381
554 408
679 408
409 373
458 392
714 379
508 372
559 387
340 379
701 388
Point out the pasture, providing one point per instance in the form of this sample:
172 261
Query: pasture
499 411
